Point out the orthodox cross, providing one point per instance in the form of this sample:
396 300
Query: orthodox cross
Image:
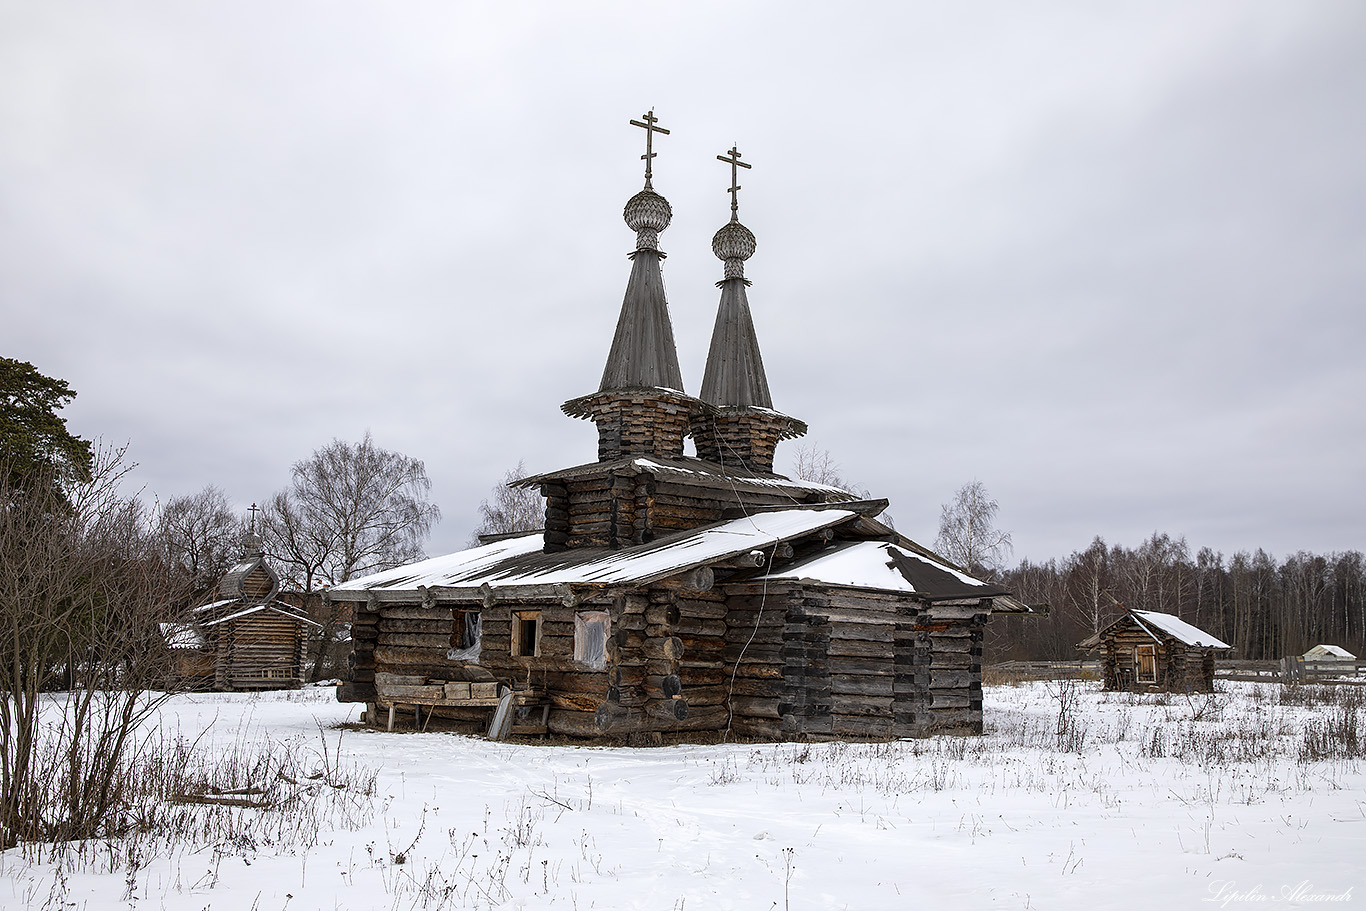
253 510
650 131
734 161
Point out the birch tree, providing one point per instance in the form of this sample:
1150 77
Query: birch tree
967 531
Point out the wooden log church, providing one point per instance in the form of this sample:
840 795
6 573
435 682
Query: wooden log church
676 594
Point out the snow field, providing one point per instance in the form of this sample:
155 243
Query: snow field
1131 800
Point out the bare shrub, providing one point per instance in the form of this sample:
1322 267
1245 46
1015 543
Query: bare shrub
82 588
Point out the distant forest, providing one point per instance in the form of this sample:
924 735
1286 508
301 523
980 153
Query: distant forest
1262 607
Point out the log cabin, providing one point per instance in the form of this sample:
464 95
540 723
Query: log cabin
673 593
1148 651
246 639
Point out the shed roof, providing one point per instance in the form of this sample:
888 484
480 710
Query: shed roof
1329 651
1156 622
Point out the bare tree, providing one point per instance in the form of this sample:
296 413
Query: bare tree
201 536
967 531
510 509
811 463
350 509
83 586
1088 581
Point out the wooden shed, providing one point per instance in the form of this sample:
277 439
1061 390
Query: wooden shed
246 639
672 593
1148 651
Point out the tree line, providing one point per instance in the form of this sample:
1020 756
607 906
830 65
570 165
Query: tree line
1264 607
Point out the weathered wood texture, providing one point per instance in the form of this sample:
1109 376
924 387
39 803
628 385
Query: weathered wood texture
260 651
1133 660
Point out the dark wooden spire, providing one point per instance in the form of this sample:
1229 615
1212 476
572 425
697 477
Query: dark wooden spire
735 368
741 426
643 353
640 407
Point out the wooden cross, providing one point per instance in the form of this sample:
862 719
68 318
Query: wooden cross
253 510
650 131
734 161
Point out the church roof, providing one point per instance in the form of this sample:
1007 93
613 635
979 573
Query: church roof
734 377
697 471
643 353
520 562
735 369
888 567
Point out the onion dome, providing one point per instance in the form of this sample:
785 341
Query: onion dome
647 213
733 244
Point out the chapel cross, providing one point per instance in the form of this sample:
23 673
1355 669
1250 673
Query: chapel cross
734 161
650 131
253 510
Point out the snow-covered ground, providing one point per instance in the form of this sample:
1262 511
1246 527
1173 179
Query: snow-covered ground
1143 801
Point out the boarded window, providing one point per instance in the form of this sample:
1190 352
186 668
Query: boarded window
591 629
465 634
1145 664
526 633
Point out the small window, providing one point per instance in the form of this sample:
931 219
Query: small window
526 633
591 629
465 630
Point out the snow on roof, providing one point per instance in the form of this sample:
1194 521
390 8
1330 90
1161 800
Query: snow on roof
519 561
464 564
1330 651
691 467
1179 629
278 607
181 635
872 564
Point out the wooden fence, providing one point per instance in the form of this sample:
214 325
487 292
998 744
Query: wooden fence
1291 669
1042 670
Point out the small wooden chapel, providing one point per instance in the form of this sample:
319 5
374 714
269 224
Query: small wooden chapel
677 594
245 639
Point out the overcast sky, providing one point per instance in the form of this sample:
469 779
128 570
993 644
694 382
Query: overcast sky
1107 258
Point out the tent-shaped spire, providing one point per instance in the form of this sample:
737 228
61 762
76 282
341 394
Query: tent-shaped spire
735 368
742 427
640 407
643 354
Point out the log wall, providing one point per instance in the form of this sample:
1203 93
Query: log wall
791 662
261 651
1180 667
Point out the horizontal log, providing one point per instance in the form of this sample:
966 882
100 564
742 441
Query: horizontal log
416 640
860 648
855 725
860 705
702 610
401 692
953 679
413 612
399 679
755 707
569 722
412 625
860 686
